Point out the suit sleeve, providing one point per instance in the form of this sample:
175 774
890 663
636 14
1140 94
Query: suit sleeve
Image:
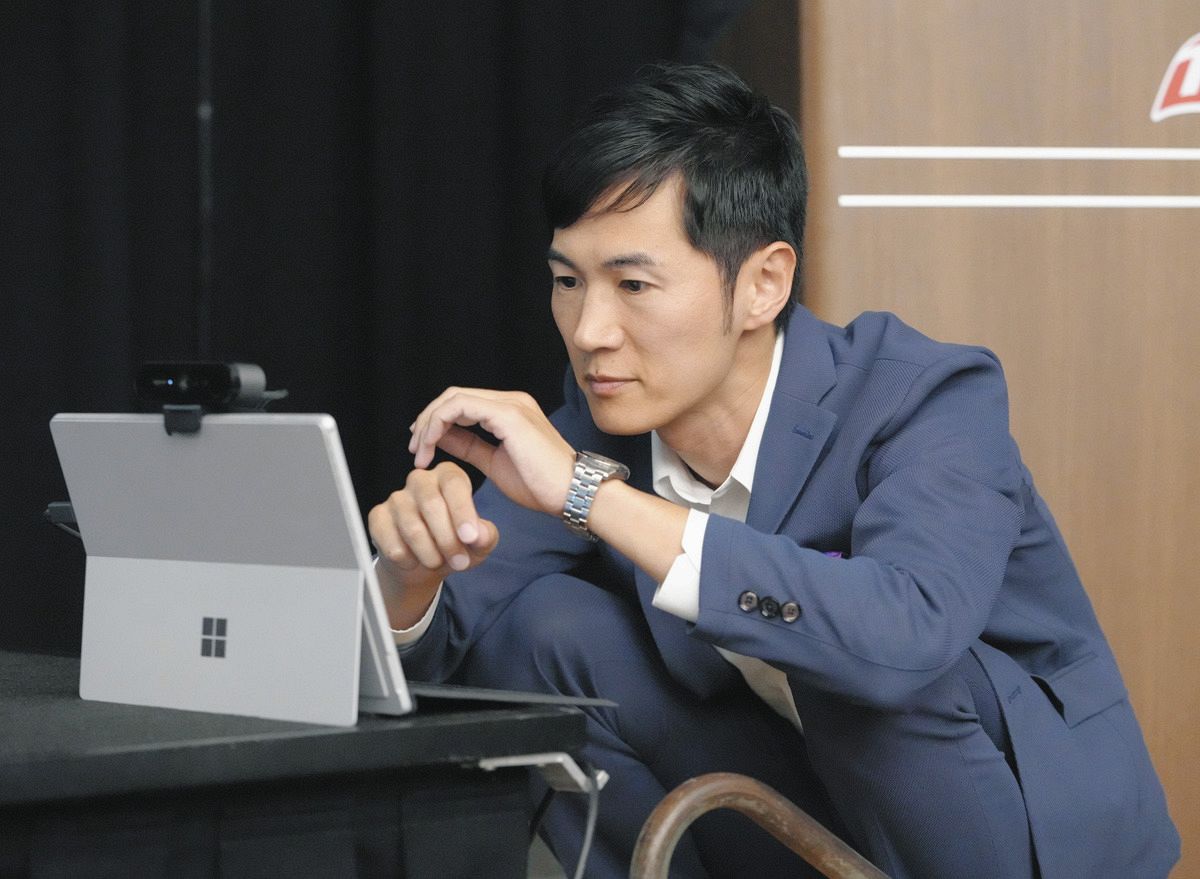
929 545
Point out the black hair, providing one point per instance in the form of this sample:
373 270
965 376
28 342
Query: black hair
738 156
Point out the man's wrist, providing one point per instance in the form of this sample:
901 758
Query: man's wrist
406 594
409 635
590 472
643 527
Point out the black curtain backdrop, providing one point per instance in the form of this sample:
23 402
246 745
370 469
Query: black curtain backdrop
376 233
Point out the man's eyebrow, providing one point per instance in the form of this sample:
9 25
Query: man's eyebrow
553 255
616 262
630 259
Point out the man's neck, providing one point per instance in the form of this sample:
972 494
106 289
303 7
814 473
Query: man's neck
709 439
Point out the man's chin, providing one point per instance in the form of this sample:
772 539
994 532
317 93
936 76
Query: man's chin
616 423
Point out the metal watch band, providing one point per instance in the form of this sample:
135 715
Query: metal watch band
590 470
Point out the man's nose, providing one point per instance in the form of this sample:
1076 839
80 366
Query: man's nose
599 323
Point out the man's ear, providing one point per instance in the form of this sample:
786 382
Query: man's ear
767 275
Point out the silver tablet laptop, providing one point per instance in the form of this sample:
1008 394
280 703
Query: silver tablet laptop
227 570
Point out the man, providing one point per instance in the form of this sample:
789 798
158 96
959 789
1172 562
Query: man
803 552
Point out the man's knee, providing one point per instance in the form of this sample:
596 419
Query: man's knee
558 630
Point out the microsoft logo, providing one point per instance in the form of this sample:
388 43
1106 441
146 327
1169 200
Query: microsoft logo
213 641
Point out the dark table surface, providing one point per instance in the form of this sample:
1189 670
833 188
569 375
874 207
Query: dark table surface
54 745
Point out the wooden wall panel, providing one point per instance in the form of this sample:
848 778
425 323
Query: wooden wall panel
1094 312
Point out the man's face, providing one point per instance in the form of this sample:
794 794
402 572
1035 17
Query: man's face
644 318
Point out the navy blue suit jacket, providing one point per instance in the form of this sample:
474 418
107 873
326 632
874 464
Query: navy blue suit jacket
895 450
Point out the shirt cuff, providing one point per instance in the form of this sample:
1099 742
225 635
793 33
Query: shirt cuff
679 592
404 637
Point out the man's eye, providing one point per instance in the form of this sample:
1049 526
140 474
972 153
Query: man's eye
633 286
566 282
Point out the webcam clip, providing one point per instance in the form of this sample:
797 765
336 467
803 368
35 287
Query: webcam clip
183 418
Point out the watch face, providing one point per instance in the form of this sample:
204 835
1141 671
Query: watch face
600 462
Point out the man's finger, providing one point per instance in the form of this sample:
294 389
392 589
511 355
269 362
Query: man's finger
436 514
414 532
489 409
456 491
489 536
421 425
386 536
434 425
466 446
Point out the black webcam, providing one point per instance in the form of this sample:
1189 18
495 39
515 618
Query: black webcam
185 390
217 387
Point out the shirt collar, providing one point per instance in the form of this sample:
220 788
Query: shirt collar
673 480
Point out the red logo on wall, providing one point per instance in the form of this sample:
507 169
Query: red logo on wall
1180 89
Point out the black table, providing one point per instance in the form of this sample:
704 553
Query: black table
95 789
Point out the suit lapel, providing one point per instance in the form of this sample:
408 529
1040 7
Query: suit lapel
797 427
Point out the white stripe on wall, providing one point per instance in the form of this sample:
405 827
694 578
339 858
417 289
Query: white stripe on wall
1139 154
1019 201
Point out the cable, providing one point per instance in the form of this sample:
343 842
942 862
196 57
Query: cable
539 813
593 793
68 529
593 813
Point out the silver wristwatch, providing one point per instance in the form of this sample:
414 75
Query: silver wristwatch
590 470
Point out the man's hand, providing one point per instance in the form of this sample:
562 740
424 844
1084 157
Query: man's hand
531 464
423 532
430 528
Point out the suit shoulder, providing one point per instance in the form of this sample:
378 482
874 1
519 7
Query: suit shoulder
879 336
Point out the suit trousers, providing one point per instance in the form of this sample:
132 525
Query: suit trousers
927 792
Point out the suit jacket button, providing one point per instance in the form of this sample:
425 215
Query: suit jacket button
747 601
790 612
769 608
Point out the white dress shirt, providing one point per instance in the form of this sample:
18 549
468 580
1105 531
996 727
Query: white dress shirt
679 593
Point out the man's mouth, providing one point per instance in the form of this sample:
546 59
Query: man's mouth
605 385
